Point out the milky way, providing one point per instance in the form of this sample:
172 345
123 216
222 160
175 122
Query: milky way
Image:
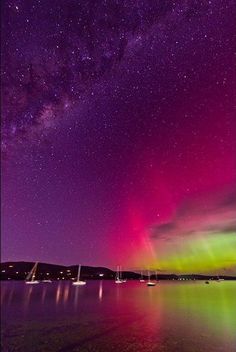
118 132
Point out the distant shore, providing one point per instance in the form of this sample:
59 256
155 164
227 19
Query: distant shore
19 271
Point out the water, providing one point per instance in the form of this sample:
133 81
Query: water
103 316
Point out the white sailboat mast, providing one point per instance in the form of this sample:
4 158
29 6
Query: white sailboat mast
118 272
78 275
31 275
34 273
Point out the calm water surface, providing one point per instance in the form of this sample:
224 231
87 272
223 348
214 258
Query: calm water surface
104 317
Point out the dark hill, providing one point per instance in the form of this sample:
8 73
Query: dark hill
19 271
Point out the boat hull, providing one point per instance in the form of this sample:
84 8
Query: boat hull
79 283
151 284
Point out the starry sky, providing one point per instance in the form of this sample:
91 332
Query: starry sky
118 133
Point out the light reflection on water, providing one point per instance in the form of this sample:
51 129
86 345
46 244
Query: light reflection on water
168 316
100 292
44 291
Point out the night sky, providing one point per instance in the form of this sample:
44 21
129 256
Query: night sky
118 133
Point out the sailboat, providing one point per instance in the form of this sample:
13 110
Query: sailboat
150 283
123 280
78 282
141 277
30 279
118 278
219 279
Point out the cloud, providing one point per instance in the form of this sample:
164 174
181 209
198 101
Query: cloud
160 231
210 214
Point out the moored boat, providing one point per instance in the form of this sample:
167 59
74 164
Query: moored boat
118 279
30 279
79 282
150 283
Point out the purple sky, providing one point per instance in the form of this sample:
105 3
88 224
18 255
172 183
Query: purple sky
116 114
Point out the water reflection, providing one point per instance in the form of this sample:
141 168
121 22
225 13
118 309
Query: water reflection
76 294
215 305
10 295
27 297
100 291
58 292
180 310
66 293
43 294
